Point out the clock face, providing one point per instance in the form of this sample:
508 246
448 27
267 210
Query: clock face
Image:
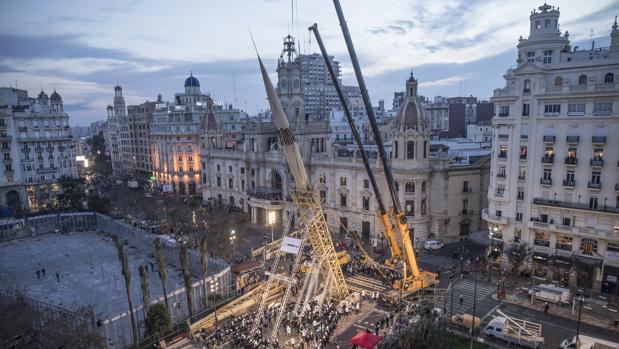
283 83
295 83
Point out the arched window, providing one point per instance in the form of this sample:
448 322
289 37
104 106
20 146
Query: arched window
558 81
423 206
527 86
582 80
609 78
410 187
423 187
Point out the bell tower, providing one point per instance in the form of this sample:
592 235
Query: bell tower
290 83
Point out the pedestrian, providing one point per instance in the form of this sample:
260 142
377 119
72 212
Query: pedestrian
43 271
38 274
57 277
546 307
461 300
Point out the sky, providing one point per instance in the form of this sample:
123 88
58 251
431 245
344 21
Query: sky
83 48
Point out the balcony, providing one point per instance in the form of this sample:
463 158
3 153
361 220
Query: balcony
570 160
502 155
594 185
597 162
7 160
548 159
579 87
543 181
485 215
22 129
465 212
549 139
523 156
598 140
5 137
569 183
573 205
500 175
467 190
6 150
38 149
573 139
503 137
521 178
617 187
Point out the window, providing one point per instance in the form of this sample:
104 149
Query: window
423 187
547 54
595 177
230 169
558 81
410 187
242 170
409 207
598 154
542 239
498 213
527 86
503 151
219 181
504 110
322 179
523 152
564 242
609 78
425 149
230 181
602 108
552 109
593 203
366 203
465 205
366 183
518 216
342 180
501 172
531 54
547 174
465 187
342 199
410 150
582 80
569 176
588 246
520 194
576 109
323 195
500 189
525 109
566 221
423 207
218 168
242 185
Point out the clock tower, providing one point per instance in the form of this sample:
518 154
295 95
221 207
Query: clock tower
289 83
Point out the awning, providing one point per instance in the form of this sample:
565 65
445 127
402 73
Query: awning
365 340
562 260
588 261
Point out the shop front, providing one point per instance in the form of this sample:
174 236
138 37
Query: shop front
561 269
540 264
610 283
585 272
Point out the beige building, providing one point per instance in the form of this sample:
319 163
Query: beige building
442 199
554 184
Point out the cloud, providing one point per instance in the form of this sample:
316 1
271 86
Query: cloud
78 66
452 80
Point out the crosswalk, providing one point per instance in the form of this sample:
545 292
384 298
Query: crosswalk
432 263
466 288
359 282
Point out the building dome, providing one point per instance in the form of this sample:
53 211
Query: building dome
411 113
55 97
191 81
42 95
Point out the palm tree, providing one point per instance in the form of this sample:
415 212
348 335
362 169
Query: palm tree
127 275
204 263
186 278
144 288
162 274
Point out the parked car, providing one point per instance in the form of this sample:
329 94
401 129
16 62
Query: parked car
432 244
587 342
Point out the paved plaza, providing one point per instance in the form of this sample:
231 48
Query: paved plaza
88 268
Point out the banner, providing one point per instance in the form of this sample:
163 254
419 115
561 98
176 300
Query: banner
290 245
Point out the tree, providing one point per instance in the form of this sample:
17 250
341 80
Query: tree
204 263
127 275
162 273
99 204
187 278
144 288
158 321
427 332
73 193
517 253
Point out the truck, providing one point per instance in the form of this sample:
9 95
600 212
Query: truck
551 293
587 342
515 331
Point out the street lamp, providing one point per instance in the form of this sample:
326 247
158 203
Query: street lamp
232 240
271 219
578 324
496 230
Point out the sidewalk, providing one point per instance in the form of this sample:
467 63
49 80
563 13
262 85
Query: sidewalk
594 311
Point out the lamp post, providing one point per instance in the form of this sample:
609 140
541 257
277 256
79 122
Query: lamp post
474 310
232 240
271 219
578 323
492 233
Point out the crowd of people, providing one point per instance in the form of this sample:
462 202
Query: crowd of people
311 327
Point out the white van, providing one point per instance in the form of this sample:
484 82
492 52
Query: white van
587 342
552 293
432 244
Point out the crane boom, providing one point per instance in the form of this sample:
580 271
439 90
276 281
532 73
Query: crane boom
397 210
383 214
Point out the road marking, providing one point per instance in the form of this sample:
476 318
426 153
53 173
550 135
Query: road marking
490 312
531 316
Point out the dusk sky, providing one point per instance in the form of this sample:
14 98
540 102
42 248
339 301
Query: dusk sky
83 48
